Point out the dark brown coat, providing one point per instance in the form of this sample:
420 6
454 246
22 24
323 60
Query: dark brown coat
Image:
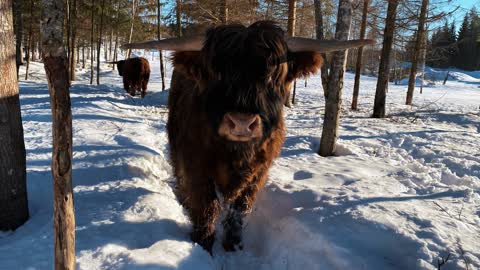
135 73
244 70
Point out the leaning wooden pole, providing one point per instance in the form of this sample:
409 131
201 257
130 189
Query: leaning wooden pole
56 68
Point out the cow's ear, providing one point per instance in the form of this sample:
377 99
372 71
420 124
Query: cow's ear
303 64
189 64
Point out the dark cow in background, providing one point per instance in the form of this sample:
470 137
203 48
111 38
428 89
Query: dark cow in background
225 124
135 73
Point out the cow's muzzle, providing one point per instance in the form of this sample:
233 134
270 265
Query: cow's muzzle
240 127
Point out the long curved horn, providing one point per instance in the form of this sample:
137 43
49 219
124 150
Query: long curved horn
298 44
191 43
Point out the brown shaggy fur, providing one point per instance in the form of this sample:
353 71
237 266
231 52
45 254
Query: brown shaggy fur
135 73
240 69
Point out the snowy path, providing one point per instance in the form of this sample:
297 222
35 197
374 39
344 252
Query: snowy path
402 192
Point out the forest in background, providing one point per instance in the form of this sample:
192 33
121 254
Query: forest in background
93 26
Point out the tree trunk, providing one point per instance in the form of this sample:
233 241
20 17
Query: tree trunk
358 66
417 52
384 67
55 62
178 15
131 29
115 52
78 54
224 11
294 91
91 42
99 42
292 15
159 36
13 172
17 9
335 82
320 35
110 46
29 40
83 56
73 32
422 61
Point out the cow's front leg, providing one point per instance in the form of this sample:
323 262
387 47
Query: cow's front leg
144 87
126 84
204 212
233 223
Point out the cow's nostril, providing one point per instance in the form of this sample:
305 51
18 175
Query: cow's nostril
254 124
230 123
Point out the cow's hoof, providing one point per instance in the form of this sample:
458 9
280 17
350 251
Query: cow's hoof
231 246
205 242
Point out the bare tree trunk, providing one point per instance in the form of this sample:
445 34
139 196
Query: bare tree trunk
224 11
333 102
422 61
417 52
446 77
17 9
178 15
78 54
358 66
83 56
131 28
115 52
320 35
13 172
110 46
99 42
29 40
68 27
33 49
73 32
294 91
56 69
91 42
159 36
384 67
292 15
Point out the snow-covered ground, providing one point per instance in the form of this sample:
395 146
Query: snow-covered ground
402 192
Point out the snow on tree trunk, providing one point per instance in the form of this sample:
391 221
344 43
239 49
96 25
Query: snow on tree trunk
417 52
13 173
335 82
384 67
358 66
55 62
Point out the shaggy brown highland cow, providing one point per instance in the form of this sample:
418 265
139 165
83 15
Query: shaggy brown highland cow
225 124
135 73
